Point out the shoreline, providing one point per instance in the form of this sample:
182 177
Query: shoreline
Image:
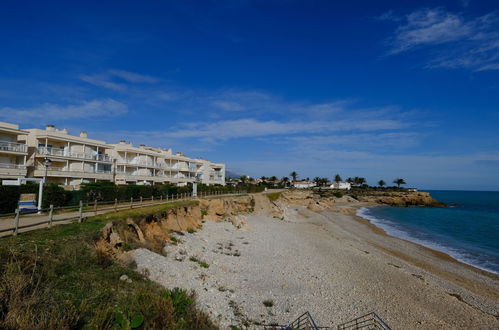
316 255
440 254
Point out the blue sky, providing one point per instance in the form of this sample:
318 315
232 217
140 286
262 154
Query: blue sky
380 89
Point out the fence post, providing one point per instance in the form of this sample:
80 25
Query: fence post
152 198
51 214
131 202
167 197
80 217
95 207
115 204
161 198
16 222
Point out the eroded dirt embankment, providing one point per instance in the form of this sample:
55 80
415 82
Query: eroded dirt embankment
155 230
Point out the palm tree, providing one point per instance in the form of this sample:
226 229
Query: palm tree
399 181
317 181
242 179
294 175
273 178
350 180
381 183
337 178
324 181
285 180
359 180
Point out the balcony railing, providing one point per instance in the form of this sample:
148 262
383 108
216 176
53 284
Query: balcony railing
13 166
63 153
67 169
12 146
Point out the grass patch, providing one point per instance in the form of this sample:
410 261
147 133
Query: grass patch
199 262
191 230
273 196
58 278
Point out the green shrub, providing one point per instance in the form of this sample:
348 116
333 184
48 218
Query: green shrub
338 194
273 196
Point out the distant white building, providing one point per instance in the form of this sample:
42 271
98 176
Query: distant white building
341 185
303 184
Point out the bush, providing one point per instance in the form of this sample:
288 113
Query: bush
338 194
52 194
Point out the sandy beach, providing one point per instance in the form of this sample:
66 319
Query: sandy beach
326 261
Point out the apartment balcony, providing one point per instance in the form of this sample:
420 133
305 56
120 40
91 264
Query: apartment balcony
183 168
71 173
14 148
131 176
12 171
135 163
59 153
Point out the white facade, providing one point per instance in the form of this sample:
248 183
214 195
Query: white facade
341 185
79 159
13 151
303 184
74 159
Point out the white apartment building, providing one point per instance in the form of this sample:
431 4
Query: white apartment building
139 165
211 173
148 166
74 159
13 151
79 159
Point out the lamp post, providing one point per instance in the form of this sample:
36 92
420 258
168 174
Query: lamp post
47 162
195 185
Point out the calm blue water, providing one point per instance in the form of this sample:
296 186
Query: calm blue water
468 232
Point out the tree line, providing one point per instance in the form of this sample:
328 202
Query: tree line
320 182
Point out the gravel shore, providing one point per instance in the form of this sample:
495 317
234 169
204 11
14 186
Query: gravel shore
331 264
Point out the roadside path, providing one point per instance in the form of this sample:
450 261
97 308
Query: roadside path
28 222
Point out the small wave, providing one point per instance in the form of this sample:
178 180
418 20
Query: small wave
393 229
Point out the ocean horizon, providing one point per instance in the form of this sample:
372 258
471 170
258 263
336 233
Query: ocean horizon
467 230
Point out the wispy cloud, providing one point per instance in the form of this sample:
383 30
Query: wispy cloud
56 112
455 41
117 79
133 77
251 127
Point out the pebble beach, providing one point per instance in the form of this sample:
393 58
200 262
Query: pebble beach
331 263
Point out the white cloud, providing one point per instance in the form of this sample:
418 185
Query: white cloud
459 42
133 77
113 79
56 112
228 105
102 81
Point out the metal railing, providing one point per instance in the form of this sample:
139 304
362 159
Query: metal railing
79 212
306 322
67 169
13 146
303 322
368 321
13 166
48 151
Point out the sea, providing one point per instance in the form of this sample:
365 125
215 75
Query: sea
467 230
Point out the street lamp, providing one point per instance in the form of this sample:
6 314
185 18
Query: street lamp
47 162
195 185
